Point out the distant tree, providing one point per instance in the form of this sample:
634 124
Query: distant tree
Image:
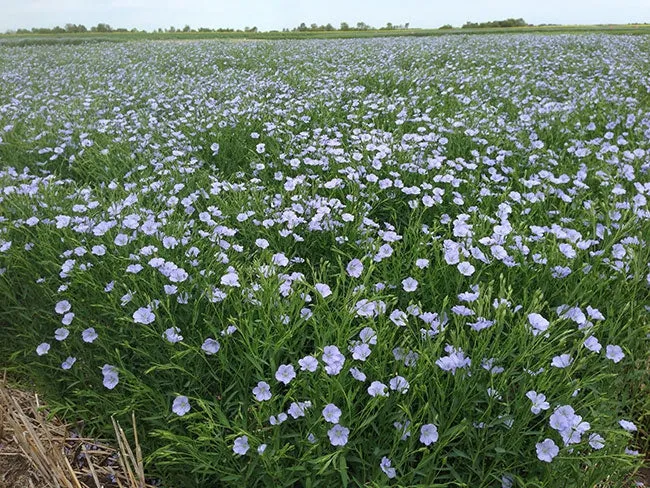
73 28
406 26
103 28
171 29
329 27
345 26
302 27
496 23
187 28
313 27
446 26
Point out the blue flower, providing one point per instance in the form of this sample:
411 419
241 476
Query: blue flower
385 466
338 435
428 434
210 346
377 388
181 405
241 446
546 450
111 376
262 391
143 315
331 413
89 335
285 373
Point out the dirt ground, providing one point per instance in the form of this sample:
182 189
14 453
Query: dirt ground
15 470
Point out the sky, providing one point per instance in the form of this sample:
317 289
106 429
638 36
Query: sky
277 14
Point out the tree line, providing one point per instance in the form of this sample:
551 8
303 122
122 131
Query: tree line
344 26
303 27
105 28
495 23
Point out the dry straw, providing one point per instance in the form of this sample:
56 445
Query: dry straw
58 458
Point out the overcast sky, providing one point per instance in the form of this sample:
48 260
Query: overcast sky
276 14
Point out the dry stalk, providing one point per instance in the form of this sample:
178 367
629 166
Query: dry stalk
52 453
